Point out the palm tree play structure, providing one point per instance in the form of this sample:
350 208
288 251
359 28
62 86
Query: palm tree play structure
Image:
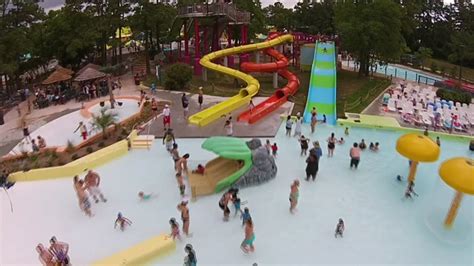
105 119
457 173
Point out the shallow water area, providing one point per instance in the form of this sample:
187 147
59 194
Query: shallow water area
381 226
59 131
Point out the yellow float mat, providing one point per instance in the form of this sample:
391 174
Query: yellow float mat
141 253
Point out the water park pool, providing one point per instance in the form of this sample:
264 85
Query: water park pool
402 73
381 226
60 130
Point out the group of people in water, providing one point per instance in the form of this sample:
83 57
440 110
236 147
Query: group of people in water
56 254
89 187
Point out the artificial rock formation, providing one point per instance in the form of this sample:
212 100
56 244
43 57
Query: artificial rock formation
263 169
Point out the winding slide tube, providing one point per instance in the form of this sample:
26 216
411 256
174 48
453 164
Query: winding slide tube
281 95
243 97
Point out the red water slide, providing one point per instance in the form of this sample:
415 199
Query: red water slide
281 95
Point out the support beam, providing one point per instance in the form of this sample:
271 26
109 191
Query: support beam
275 80
187 58
197 47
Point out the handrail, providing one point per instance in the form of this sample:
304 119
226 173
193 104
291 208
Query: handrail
229 10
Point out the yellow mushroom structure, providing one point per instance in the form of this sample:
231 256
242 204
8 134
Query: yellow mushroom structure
417 148
458 173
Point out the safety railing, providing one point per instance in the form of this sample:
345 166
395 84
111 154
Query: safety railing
221 9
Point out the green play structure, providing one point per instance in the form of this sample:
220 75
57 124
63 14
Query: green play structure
230 148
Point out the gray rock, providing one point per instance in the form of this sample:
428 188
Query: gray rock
264 168
254 144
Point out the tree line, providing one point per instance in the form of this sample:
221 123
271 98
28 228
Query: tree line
371 30
383 30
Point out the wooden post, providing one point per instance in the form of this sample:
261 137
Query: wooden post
453 210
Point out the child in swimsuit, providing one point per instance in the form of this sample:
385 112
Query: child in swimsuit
247 244
294 194
245 216
174 229
143 196
122 221
339 228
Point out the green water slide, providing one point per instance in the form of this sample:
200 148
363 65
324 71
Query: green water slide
230 148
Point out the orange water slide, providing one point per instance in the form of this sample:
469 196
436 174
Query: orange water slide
281 95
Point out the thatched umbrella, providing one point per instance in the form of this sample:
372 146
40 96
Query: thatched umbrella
90 74
57 76
90 65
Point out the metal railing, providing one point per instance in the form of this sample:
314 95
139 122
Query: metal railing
218 9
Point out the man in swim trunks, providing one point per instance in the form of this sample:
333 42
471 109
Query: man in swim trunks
92 180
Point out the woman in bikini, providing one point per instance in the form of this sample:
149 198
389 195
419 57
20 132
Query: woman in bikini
331 144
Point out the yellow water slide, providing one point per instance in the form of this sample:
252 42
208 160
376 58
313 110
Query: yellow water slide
216 111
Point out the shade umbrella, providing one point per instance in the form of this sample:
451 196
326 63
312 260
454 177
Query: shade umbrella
90 65
56 76
457 173
90 74
417 148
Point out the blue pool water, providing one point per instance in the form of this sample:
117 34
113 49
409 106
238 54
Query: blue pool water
402 73
381 226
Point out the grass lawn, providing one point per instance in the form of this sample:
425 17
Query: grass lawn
467 73
350 87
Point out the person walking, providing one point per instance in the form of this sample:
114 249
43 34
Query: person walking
83 130
354 153
183 208
289 124
247 245
190 259
166 117
304 145
331 144
312 167
26 132
229 129
294 195
200 98
314 119
298 124
185 103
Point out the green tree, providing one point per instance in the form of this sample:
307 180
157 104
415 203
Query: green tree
424 54
278 16
257 17
17 19
178 76
69 35
361 26
151 20
104 120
